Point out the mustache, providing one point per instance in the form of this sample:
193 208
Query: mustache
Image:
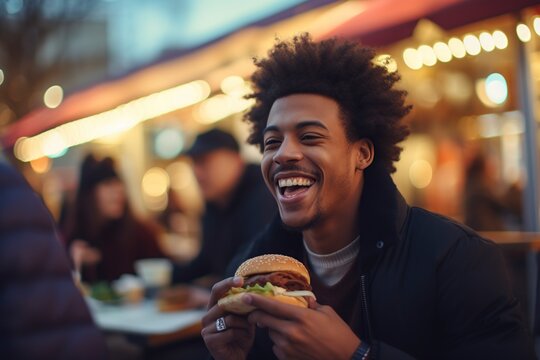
292 167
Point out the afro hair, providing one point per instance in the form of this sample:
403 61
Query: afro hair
344 71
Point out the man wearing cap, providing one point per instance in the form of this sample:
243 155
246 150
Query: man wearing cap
237 204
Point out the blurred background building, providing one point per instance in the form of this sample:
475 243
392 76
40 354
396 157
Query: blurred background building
138 80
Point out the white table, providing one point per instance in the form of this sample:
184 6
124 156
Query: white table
146 321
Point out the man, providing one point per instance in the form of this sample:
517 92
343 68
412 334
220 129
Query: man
43 313
238 205
392 281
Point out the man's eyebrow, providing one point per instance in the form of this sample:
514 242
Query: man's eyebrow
308 123
298 126
270 128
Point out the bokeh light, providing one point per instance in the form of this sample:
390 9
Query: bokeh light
386 61
523 32
472 44
53 96
412 58
487 42
232 84
155 182
420 174
41 165
442 51
428 55
496 88
168 143
457 48
501 40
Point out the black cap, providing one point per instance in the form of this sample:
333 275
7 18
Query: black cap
213 140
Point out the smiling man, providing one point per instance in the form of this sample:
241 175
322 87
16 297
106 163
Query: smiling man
392 281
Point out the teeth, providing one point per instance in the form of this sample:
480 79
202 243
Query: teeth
296 181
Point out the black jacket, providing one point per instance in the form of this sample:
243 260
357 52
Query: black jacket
42 313
433 288
227 231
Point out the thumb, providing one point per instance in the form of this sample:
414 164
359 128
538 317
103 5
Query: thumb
312 303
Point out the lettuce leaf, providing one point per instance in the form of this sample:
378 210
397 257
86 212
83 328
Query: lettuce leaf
267 289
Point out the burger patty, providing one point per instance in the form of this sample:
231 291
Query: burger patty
286 280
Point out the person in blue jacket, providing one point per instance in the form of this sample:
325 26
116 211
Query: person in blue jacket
391 281
42 312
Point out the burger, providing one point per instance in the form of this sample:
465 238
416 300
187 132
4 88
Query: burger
181 297
279 277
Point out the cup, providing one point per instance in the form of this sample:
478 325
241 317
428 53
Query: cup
155 274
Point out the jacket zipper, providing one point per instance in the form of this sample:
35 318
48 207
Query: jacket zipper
365 306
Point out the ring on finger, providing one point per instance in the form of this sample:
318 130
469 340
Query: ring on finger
220 324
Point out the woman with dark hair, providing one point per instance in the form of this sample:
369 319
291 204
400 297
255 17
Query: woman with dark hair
104 238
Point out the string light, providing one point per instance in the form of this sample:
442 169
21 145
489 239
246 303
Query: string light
472 44
111 122
457 48
523 32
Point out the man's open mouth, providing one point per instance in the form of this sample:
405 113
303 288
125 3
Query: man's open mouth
290 186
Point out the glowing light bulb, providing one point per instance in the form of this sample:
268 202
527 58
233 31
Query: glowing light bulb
412 58
53 96
536 25
523 32
487 42
472 44
428 55
442 51
501 40
457 48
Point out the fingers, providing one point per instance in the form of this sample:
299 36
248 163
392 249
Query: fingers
265 320
312 303
228 336
275 308
219 289
212 315
232 322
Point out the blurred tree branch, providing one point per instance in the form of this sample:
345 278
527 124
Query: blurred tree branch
33 37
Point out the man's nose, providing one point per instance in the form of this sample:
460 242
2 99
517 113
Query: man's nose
289 151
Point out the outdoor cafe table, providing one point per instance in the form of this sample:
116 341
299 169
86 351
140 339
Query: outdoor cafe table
146 325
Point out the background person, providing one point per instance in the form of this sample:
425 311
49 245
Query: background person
392 281
486 209
237 205
103 236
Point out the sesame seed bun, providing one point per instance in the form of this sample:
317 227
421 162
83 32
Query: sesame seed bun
271 263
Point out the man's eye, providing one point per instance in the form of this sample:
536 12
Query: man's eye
270 143
307 137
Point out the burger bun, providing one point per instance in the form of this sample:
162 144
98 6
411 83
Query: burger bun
234 304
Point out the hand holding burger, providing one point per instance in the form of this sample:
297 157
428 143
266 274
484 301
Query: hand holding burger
279 277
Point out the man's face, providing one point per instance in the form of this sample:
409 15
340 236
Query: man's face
217 173
308 163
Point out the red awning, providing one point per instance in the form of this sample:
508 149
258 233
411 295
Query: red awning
387 21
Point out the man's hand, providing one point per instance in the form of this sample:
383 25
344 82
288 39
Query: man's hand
237 339
299 333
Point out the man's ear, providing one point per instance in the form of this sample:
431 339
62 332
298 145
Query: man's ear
365 153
